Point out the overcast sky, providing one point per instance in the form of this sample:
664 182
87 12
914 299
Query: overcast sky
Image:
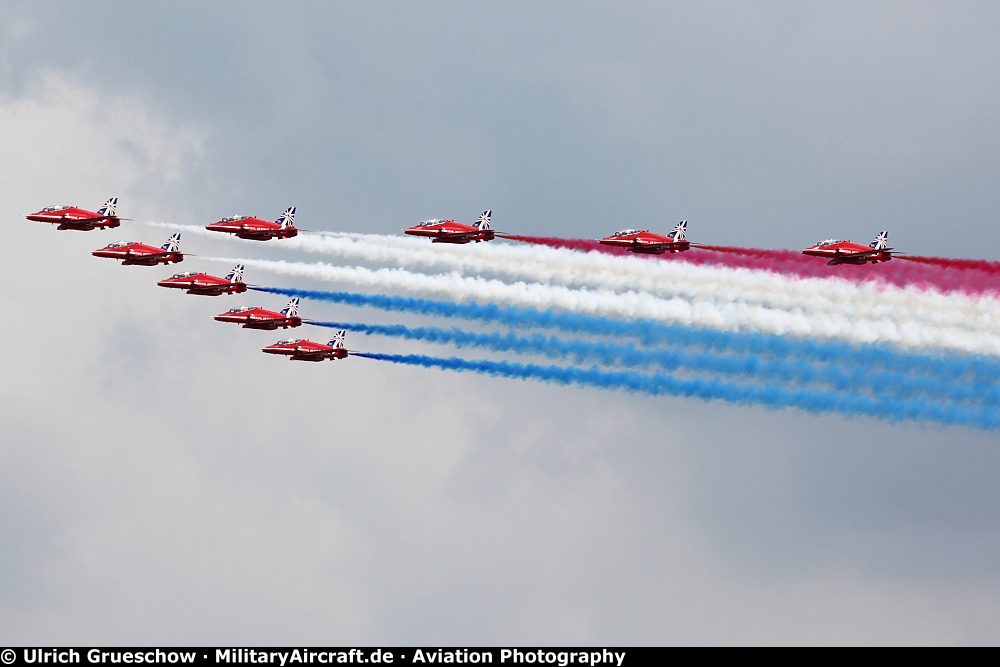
165 483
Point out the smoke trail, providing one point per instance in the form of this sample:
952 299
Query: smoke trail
952 332
580 245
850 378
901 314
904 308
665 279
773 396
947 263
793 263
655 333
691 275
187 229
974 277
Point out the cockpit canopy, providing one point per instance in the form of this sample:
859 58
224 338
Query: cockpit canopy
629 232
289 341
235 218
829 242
120 244
186 274
242 309
424 223
50 209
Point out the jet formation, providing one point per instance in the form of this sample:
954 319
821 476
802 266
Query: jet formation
134 253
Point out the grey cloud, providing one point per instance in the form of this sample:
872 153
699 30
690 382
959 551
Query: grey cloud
169 483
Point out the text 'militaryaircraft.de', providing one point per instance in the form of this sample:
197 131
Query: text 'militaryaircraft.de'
646 242
255 229
299 349
846 252
195 282
74 217
133 252
449 231
255 317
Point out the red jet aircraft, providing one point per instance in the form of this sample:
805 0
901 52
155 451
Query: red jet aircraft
254 317
449 231
131 252
298 349
202 283
845 252
255 229
646 242
72 217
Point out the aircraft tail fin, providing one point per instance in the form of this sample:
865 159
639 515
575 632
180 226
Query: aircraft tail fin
173 244
292 309
287 219
236 275
483 221
679 231
881 241
109 207
337 342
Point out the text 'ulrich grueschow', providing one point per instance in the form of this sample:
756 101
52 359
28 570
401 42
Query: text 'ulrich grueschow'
97 656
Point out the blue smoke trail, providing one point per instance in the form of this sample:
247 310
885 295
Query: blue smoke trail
774 396
979 369
848 378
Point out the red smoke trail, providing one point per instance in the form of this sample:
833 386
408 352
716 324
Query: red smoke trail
961 264
759 253
584 245
972 276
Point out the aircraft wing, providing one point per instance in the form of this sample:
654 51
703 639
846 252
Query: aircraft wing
459 235
864 253
97 218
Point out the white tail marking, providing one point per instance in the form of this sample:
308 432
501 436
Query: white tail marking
483 221
173 244
292 309
109 207
679 231
236 275
287 219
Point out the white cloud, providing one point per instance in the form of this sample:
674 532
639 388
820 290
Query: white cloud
64 139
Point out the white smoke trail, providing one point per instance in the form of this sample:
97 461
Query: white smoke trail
701 312
676 279
905 307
